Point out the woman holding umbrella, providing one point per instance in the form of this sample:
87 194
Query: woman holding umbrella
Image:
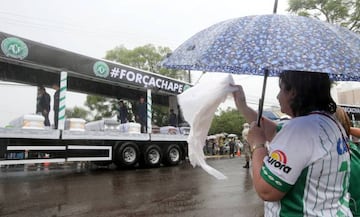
306 170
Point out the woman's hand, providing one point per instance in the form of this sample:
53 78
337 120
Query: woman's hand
256 134
268 127
239 96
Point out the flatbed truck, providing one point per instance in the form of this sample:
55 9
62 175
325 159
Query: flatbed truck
33 63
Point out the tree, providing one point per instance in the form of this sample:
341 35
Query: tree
101 107
77 112
160 115
343 12
229 121
147 57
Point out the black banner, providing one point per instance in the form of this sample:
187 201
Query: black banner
42 55
352 111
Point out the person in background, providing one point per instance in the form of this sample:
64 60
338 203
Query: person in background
209 146
205 150
246 147
354 189
56 104
180 119
214 146
232 147
122 112
141 114
221 144
305 171
43 104
355 132
38 99
172 118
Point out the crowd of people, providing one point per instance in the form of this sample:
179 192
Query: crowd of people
222 145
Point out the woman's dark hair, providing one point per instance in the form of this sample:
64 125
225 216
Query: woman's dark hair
312 91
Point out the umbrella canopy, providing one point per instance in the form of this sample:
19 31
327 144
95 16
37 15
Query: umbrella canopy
211 137
273 43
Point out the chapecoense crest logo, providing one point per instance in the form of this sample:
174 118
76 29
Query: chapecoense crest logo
15 48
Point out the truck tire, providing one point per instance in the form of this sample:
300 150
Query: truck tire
172 155
127 155
152 156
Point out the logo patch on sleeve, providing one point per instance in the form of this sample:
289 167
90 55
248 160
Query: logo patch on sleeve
278 159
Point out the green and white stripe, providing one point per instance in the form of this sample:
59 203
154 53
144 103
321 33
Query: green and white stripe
149 115
62 97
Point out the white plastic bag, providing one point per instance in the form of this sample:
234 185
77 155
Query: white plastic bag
198 105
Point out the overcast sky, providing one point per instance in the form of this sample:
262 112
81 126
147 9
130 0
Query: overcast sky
92 27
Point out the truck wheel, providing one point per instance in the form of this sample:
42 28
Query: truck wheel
127 155
172 155
152 156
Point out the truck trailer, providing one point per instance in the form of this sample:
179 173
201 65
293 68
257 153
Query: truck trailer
29 62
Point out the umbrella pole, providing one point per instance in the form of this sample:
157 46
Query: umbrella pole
275 6
261 100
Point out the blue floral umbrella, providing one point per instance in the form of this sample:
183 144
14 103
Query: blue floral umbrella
269 44
253 44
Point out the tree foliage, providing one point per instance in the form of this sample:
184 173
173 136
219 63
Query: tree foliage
343 12
101 107
147 57
77 112
228 121
160 115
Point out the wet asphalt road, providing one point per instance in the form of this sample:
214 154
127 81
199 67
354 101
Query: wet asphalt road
166 191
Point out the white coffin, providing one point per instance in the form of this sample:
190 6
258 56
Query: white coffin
184 130
75 124
102 125
169 130
130 127
29 121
